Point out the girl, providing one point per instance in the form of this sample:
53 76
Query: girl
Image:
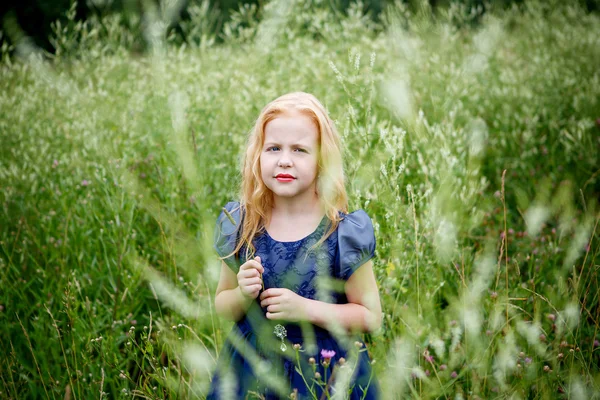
296 275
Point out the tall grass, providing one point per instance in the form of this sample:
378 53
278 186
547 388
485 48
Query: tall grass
473 147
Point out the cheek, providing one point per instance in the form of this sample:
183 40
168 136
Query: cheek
263 164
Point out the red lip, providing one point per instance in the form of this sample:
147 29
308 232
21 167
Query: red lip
285 176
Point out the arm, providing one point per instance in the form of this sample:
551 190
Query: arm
361 313
234 292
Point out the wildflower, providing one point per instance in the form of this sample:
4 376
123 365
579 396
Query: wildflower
358 344
297 346
55 164
596 342
311 361
552 317
317 375
528 360
328 354
546 368
560 356
494 295
85 182
427 372
443 367
428 357
342 361
453 375
543 337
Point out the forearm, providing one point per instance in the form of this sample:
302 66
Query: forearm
351 317
232 304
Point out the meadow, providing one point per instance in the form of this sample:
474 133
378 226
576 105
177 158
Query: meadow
471 141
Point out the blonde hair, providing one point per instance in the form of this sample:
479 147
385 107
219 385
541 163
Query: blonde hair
257 199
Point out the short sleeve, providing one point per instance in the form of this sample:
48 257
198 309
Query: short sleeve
226 234
356 242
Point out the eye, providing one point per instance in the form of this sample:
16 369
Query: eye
301 150
273 148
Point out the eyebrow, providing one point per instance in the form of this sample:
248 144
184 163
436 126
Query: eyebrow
292 145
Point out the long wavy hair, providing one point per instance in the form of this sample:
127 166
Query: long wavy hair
257 199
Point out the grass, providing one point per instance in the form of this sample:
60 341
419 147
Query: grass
472 146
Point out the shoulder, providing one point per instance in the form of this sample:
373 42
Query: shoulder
226 232
229 218
356 221
356 241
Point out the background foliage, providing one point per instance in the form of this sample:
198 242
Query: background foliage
473 147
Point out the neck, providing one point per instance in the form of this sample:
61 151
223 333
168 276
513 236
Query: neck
297 207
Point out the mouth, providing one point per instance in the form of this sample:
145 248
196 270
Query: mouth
284 178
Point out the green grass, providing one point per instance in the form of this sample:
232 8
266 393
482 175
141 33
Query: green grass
114 166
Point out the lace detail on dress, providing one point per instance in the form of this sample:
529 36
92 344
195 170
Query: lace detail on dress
296 265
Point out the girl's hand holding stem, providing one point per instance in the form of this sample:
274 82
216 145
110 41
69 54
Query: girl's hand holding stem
250 278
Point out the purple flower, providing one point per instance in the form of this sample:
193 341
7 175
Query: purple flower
527 360
453 375
596 343
443 367
328 354
85 182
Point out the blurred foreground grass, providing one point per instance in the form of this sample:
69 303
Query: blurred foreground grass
474 148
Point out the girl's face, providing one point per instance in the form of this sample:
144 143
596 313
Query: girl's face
289 157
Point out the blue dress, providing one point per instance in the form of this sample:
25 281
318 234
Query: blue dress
259 359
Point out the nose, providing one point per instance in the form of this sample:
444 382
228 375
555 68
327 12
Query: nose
284 160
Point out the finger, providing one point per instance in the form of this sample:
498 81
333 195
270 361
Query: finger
256 290
267 302
250 282
252 291
275 316
252 264
270 293
257 259
274 308
249 273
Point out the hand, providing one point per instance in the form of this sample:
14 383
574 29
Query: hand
284 304
249 278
